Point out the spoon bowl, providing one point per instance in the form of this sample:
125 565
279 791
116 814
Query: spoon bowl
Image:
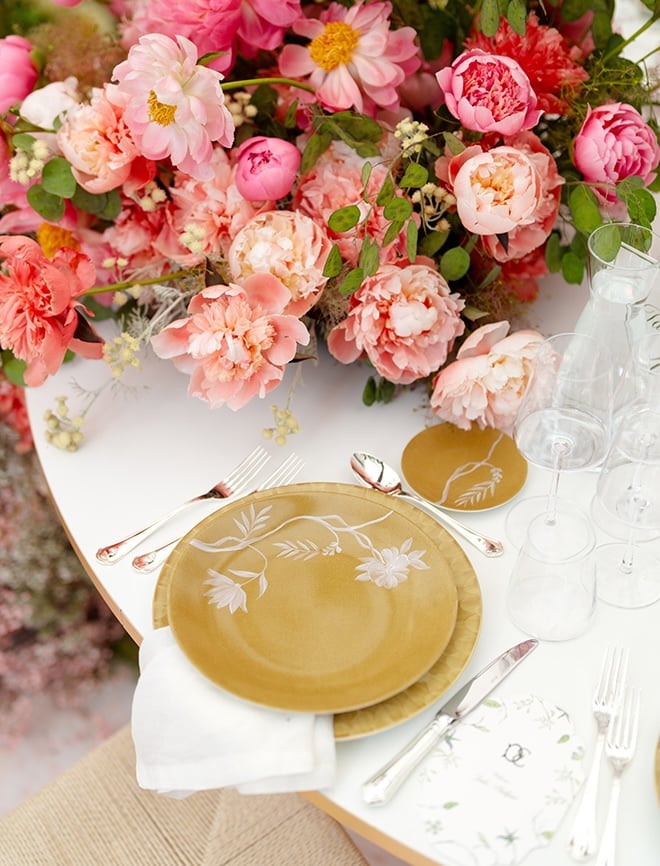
371 471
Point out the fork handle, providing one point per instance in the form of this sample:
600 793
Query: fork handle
115 551
584 841
150 561
607 850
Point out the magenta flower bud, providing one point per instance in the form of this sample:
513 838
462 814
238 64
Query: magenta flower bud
266 168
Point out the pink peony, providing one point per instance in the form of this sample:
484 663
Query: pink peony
175 108
95 139
39 307
489 93
267 168
614 143
486 382
264 23
354 59
288 245
404 319
18 74
235 342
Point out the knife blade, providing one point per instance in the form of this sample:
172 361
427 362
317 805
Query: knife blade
380 788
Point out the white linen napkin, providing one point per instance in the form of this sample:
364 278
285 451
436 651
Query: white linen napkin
499 785
190 735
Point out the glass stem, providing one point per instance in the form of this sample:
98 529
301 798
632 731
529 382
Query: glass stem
560 449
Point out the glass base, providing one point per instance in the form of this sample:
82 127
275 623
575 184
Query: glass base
523 513
639 588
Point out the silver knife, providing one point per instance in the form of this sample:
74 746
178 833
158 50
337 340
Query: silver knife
382 785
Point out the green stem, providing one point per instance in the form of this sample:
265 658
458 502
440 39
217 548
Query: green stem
254 82
619 48
150 281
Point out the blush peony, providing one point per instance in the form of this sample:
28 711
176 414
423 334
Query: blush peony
489 93
404 319
486 382
288 245
39 307
235 342
614 143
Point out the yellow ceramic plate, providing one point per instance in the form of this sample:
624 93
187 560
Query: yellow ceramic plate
465 470
436 681
312 597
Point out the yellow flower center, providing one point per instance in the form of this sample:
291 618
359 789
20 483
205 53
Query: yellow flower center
159 112
335 46
52 238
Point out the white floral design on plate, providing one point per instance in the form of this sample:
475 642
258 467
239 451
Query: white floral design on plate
386 567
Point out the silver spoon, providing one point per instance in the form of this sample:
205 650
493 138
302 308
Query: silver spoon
372 472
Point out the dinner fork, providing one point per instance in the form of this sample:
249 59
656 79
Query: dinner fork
235 483
607 696
619 748
285 472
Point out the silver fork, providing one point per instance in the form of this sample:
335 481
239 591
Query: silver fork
583 840
285 472
235 482
619 748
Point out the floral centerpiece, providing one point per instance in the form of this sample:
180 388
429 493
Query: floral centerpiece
236 181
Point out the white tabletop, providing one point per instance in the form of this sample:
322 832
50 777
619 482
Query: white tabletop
147 450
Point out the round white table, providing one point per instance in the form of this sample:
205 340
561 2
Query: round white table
148 449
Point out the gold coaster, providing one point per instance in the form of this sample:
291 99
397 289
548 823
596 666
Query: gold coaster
464 470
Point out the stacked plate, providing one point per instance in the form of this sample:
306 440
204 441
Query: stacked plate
324 598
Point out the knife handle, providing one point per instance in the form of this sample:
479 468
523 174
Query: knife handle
382 786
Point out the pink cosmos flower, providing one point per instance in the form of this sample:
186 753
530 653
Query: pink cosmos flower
486 382
353 60
614 143
95 139
39 307
235 342
212 25
289 245
489 93
267 168
18 74
175 108
404 319
213 211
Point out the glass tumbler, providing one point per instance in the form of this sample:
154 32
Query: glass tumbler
552 589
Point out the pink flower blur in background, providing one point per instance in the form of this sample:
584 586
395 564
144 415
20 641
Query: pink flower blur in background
18 73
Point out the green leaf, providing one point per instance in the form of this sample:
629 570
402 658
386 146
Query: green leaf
13 368
351 282
489 20
572 268
553 253
112 206
345 218
57 178
490 277
454 264
386 192
432 243
398 208
412 235
584 209
369 392
369 257
641 204
393 231
333 264
23 141
367 168
454 144
415 175
50 207
317 144
385 391
516 15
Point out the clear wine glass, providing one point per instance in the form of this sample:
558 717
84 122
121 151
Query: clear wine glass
629 490
563 423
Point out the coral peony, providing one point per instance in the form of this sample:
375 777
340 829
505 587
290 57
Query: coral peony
404 319
39 307
288 245
486 382
266 168
353 60
489 93
18 74
615 143
175 108
235 342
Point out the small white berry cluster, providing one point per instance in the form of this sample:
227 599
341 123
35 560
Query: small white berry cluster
63 431
434 200
285 425
193 237
412 134
151 196
121 353
26 165
240 108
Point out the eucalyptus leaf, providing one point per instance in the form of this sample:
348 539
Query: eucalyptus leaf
317 144
333 263
23 141
414 176
48 206
369 257
369 392
13 368
454 144
572 268
553 253
432 243
516 15
386 192
584 209
57 178
454 264
393 231
412 235
489 20
398 208
365 174
351 282
345 218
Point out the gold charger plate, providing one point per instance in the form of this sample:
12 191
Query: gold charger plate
464 470
437 680
312 597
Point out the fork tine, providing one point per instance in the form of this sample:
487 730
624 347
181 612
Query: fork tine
623 729
612 677
247 468
287 470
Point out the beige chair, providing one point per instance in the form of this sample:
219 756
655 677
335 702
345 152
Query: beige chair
95 814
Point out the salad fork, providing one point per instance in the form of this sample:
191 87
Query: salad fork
285 472
235 482
583 840
620 749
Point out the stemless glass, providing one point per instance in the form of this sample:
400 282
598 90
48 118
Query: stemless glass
629 489
563 423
